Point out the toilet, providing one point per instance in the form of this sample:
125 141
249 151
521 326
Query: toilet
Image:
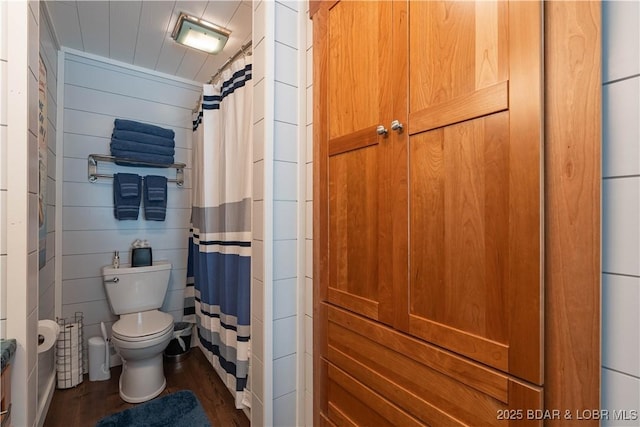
142 332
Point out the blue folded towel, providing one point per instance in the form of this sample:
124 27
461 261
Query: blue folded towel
141 157
127 193
143 138
155 197
121 124
122 144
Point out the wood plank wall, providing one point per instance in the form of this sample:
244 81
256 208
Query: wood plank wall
95 93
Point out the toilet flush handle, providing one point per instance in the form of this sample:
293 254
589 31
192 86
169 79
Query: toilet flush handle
114 280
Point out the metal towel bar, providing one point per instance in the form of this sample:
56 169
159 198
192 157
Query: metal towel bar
93 160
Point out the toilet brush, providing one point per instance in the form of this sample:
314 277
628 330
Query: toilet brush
105 365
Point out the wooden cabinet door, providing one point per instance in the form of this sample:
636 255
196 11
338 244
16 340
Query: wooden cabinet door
473 144
352 156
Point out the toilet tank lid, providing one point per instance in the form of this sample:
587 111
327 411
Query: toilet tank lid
142 324
109 270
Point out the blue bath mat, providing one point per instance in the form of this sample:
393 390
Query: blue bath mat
179 409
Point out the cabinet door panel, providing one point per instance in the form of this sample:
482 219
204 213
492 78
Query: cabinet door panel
357 161
459 237
455 48
474 169
359 40
353 230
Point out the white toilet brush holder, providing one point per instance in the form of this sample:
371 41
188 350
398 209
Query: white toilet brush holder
99 357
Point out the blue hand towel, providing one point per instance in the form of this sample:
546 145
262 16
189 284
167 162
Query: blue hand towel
143 138
123 144
126 195
141 157
121 124
155 198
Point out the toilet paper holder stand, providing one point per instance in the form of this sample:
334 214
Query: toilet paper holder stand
70 357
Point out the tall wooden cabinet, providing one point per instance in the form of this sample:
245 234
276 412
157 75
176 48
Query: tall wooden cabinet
428 196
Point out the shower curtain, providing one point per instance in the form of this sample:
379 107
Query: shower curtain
217 296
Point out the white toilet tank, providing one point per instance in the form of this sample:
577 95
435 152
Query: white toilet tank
135 289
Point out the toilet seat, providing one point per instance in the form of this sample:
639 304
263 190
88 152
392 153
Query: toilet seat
143 326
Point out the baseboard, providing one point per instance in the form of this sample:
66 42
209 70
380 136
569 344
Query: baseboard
44 405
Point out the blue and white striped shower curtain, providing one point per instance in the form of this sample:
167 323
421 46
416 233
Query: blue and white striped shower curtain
217 297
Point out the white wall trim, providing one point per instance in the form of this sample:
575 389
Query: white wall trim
269 117
17 214
130 67
43 408
59 183
302 216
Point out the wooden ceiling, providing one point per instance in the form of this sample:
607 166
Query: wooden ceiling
139 32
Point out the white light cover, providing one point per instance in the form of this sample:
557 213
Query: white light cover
200 34
201 41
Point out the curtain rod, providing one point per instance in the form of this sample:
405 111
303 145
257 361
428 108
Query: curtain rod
243 51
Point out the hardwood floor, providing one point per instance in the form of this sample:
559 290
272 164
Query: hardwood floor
87 403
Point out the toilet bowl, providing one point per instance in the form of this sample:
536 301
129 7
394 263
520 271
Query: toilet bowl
142 375
143 332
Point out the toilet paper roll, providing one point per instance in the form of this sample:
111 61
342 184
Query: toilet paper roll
47 334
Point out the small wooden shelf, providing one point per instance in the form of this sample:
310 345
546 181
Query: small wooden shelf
93 160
